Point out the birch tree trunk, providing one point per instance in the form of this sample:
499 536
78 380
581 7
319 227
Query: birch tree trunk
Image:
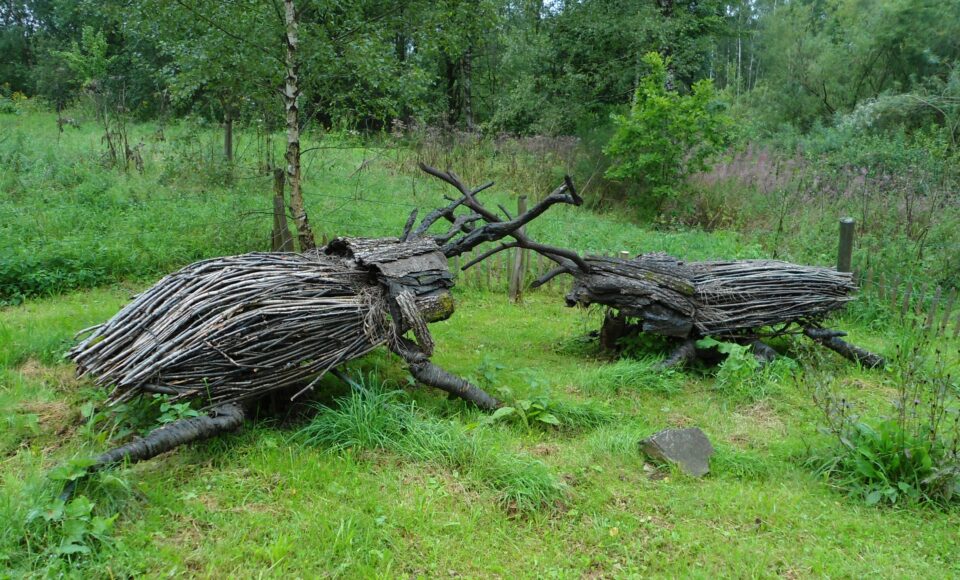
291 93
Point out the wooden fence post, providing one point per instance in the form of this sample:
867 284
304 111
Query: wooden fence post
516 277
845 254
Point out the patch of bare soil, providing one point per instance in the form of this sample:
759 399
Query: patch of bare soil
758 420
58 377
56 419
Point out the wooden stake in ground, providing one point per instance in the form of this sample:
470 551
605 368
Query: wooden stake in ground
516 276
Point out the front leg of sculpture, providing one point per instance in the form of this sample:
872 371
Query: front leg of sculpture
683 354
430 374
220 419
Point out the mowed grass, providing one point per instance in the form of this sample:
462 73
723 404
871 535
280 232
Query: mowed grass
268 502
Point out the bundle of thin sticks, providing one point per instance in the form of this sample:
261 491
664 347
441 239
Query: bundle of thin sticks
756 293
233 328
712 298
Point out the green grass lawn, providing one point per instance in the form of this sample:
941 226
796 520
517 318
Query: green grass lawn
447 493
262 502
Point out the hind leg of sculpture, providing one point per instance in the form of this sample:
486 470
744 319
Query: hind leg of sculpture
220 419
430 374
831 340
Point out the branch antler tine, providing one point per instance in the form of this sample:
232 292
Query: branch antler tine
409 225
461 224
568 182
447 176
497 228
548 276
466 198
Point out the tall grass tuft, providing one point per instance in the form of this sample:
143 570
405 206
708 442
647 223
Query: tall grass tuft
371 419
635 375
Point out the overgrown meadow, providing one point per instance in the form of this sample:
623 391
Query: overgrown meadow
393 479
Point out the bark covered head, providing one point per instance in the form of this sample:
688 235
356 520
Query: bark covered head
416 266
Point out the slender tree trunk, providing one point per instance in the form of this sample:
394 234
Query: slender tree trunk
468 87
453 105
739 58
282 241
291 93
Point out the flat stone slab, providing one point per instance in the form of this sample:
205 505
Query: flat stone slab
688 449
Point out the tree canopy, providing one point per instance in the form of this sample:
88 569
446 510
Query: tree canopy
520 66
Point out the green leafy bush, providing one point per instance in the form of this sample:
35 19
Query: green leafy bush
742 375
45 535
666 136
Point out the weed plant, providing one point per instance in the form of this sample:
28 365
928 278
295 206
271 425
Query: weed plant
49 535
907 456
742 377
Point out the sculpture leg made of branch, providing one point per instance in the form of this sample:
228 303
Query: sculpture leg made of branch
614 328
831 340
684 353
227 417
430 374
763 352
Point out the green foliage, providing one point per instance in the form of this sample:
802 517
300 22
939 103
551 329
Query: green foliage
910 456
88 59
25 276
640 375
373 419
67 529
544 412
826 59
667 136
742 376
528 412
642 344
45 533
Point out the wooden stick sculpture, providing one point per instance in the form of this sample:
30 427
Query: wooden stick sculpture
231 330
741 301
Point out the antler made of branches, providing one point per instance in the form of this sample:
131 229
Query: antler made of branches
496 228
